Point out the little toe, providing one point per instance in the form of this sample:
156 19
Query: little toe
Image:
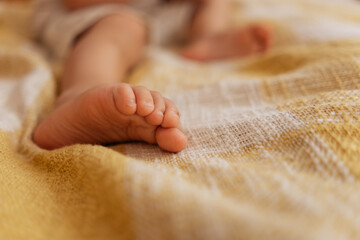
171 139
157 116
124 99
144 101
171 115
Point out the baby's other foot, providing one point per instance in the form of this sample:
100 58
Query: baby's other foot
112 114
233 43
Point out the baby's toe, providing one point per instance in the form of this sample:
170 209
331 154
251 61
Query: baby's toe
124 98
171 139
144 101
157 116
263 35
171 115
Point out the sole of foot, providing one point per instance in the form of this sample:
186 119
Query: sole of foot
113 114
234 43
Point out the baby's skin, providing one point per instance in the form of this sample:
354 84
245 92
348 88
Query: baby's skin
113 113
95 107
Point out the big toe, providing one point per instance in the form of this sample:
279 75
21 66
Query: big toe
171 139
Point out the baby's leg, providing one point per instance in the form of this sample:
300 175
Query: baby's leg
211 37
210 18
95 108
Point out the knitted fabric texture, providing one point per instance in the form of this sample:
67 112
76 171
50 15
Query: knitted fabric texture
274 140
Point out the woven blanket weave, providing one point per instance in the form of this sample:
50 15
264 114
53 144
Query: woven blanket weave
274 140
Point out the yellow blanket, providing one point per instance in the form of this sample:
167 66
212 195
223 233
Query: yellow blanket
274 149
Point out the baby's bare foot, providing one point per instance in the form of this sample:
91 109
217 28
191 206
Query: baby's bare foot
234 43
111 114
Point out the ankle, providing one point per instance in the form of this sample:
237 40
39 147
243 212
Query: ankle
69 94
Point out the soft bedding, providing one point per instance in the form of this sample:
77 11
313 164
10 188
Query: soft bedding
274 140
